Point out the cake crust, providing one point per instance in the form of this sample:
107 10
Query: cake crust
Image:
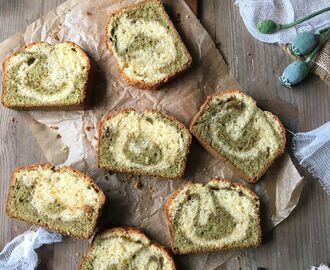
156 84
138 172
222 158
45 225
129 230
169 219
69 106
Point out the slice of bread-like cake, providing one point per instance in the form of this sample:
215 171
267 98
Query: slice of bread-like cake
126 248
63 200
44 76
148 49
232 128
147 143
215 216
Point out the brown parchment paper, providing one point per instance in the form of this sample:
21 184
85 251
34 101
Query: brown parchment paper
70 137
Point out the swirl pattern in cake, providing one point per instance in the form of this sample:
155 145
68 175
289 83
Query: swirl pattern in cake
42 75
63 199
126 248
215 216
146 45
232 128
147 143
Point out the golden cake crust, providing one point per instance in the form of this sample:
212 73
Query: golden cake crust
70 106
169 218
45 225
137 172
222 158
156 84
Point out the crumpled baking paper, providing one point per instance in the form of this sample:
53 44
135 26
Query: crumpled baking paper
70 137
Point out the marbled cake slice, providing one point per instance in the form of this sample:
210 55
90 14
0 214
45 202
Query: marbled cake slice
213 216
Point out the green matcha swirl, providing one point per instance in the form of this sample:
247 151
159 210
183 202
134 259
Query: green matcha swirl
122 253
46 73
211 215
240 131
147 141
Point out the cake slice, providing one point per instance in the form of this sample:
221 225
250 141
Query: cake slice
232 128
215 216
126 248
148 49
147 143
44 76
63 200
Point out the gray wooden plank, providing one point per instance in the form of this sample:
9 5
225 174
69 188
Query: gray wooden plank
301 240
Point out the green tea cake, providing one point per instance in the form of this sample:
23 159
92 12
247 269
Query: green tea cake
63 200
233 129
44 76
147 143
148 49
126 248
214 216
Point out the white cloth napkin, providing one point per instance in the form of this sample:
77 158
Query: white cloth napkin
283 11
312 150
19 254
321 267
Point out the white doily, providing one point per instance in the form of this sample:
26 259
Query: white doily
312 150
19 254
321 267
283 12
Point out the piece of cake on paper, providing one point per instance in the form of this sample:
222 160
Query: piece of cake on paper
233 129
214 216
147 143
63 200
126 248
148 49
44 76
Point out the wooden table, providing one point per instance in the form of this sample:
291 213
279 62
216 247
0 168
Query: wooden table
300 241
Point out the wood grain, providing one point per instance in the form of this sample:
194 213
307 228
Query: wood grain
301 240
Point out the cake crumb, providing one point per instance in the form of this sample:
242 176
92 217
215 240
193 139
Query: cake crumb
129 178
58 136
55 32
54 127
138 184
89 13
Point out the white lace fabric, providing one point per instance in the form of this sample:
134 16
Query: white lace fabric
19 254
312 150
321 267
283 12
